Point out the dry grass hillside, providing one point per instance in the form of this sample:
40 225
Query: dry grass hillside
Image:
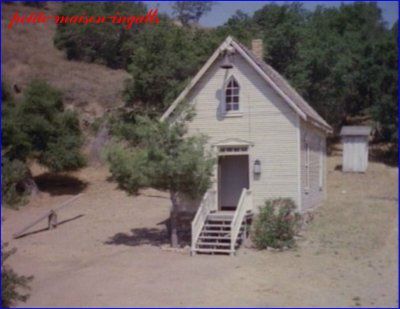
28 53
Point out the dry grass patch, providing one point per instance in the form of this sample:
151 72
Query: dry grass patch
361 211
28 52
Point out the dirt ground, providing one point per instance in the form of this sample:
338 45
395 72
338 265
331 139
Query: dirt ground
111 250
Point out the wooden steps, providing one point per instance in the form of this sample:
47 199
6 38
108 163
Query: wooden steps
215 236
220 231
214 244
212 251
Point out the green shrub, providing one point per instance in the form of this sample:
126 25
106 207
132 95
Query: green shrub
12 174
165 57
106 43
36 127
158 155
128 167
97 124
276 224
11 282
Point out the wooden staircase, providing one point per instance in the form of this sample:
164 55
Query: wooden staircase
215 236
220 231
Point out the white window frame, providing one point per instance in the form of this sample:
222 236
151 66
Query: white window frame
233 150
232 113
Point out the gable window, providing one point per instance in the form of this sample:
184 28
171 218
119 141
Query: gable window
232 90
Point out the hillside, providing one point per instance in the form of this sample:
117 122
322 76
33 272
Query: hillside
28 53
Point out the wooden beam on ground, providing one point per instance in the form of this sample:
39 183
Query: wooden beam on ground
48 214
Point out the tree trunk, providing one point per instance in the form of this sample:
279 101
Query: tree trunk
29 185
174 221
101 139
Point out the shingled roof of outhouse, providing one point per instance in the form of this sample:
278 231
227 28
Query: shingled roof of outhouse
355 131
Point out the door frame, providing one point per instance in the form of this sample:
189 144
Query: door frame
227 147
219 179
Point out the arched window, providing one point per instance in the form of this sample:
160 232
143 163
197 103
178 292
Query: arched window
232 95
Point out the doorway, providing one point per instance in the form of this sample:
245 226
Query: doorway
233 176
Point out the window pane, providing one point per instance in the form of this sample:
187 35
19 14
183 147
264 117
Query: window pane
232 95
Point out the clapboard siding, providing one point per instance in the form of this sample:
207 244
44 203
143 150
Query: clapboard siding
267 121
312 195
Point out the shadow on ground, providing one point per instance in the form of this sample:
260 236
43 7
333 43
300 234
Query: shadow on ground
384 153
152 236
140 236
58 184
47 229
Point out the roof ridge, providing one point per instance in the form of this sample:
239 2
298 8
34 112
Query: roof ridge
274 79
284 85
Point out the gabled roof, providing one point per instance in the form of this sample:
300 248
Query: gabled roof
273 78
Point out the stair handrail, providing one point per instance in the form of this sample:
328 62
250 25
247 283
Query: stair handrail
206 205
240 212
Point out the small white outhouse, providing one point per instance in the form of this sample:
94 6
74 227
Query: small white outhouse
355 148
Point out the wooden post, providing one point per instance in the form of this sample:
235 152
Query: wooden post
174 230
174 220
51 215
52 220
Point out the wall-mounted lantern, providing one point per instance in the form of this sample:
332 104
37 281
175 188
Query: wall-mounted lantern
257 167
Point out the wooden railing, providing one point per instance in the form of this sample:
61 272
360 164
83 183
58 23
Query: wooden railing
208 203
245 204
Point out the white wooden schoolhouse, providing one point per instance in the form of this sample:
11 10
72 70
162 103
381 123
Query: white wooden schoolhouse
269 142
